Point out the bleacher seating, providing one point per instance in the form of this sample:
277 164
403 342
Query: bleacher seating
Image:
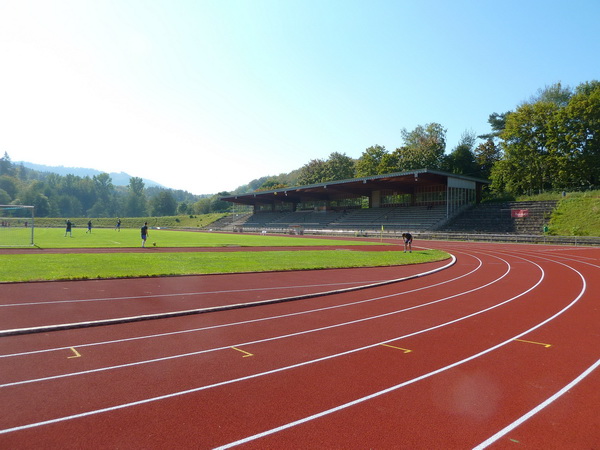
408 218
497 218
483 218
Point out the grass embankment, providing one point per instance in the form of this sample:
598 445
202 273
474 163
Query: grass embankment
68 266
577 214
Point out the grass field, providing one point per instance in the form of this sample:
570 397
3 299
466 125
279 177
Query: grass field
78 266
93 266
109 238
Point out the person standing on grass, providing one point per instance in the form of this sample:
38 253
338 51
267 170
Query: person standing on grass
118 227
144 231
407 241
89 230
68 229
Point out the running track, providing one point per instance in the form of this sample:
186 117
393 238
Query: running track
499 349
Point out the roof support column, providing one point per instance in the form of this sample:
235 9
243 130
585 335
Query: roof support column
375 199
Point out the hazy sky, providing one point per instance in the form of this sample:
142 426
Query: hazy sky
207 95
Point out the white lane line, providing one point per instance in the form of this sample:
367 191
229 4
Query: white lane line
406 383
260 341
538 408
116 341
281 369
183 294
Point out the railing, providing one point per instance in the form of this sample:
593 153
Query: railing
440 236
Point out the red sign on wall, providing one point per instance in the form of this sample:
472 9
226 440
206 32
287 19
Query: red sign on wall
519 212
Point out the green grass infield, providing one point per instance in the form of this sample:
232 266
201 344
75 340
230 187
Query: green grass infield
81 266
126 238
97 265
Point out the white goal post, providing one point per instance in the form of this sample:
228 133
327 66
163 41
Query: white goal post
16 225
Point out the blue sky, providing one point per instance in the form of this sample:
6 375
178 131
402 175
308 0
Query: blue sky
208 95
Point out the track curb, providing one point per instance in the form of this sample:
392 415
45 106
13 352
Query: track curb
140 318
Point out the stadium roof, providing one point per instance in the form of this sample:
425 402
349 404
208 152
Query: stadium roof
400 182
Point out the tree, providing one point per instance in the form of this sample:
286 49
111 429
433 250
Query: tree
497 123
554 93
105 190
486 155
270 185
462 159
218 205
184 208
315 171
202 206
423 147
35 197
553 143
135 203
6 166
371 161
530 151
164 204
580 125
9 185
339 167
4 197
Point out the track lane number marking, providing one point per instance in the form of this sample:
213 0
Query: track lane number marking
246 354
405 350
535 343
76 354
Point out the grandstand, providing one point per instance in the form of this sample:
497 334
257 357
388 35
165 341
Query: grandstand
419 200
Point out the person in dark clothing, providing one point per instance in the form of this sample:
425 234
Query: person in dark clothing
68 229
144 231
407 242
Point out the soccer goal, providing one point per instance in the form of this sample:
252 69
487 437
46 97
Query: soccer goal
16 225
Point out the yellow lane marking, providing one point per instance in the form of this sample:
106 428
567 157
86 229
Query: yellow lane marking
536 343
77 355
246 354
405 350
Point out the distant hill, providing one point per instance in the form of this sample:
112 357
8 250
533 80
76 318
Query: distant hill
118 179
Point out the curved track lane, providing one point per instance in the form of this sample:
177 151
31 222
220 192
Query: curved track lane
498 350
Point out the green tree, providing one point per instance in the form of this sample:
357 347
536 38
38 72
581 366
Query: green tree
271 184
4 197
314 172
9 185
164 204
105 192
462 159
135 202
202 206
497 123
552 143
423 147
371 161
530 151
339 166
555 93
580 127
34 196
486 155
212 204
184 208
6 166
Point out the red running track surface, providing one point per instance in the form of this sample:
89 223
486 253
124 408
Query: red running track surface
500 349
